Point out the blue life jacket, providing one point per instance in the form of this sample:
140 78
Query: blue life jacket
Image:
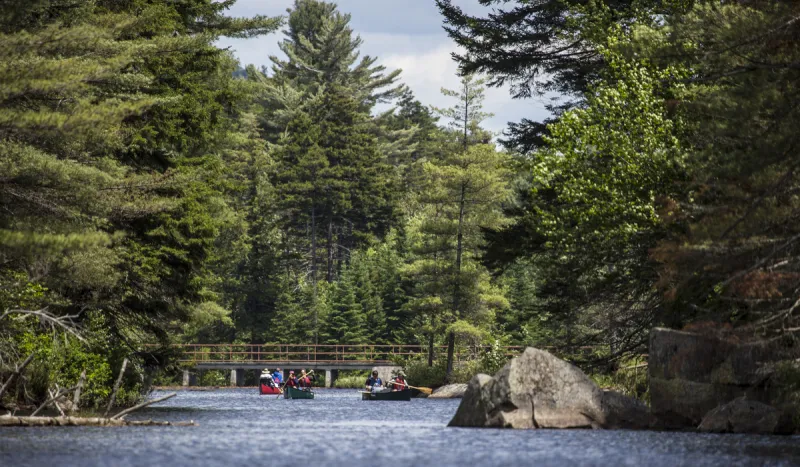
277 377
374 382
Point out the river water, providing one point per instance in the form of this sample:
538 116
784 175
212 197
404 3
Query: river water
238 427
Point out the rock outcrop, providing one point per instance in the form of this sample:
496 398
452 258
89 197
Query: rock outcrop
746 416
539 390
451 391
692 374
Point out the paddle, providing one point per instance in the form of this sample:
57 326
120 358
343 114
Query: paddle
284 385
427 391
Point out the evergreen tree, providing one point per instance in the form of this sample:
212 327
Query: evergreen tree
465 117
116 199
346 323
74 142
323 52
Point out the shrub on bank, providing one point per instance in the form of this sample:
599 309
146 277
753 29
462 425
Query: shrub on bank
60 359
630 378
349 382
419 373
354 380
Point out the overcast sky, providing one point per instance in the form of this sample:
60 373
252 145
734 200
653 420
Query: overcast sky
405 34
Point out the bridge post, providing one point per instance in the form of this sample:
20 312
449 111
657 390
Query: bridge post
330 377
237 377
186 378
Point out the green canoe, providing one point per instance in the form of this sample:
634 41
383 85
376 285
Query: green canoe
293 393
404 395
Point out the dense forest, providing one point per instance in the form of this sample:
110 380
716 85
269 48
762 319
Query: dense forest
153 190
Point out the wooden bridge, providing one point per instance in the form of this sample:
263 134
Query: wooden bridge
333 358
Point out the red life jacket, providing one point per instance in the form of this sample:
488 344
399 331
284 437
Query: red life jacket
291 382
400 383
305 382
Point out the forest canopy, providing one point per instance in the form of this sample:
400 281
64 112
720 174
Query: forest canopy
154 190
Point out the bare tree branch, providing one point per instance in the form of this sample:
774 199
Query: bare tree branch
15 374
53 398
116 387
67 323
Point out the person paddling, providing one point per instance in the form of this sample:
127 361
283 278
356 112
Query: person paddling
291 380
278 376
266 379
399 381
374 383
304 381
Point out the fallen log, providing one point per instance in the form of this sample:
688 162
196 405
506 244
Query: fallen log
9 420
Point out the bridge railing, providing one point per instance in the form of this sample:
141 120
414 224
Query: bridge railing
322 353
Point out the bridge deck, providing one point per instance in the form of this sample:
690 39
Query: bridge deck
294 364
323 356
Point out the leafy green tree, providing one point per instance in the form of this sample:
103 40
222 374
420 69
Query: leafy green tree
595 206
322 51
542 47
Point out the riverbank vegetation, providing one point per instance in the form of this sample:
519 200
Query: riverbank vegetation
155 191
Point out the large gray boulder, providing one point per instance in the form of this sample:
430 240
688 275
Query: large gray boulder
746 416
693 373
539 390
451 391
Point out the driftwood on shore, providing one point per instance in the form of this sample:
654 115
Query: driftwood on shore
59 395
10 420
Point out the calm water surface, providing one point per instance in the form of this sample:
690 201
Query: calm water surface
240 428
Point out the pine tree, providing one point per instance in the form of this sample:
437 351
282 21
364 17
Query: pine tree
99 189
465 117
346 323
332 179
323 52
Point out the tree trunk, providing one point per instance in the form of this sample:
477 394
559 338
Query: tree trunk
76 399
451 338
451 345
466 115
314 316
430 349
329 276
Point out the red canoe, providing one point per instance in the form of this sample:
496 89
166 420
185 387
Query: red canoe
269 389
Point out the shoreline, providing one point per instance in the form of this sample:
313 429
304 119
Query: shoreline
214 388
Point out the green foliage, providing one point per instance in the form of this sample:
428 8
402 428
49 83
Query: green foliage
213 378
60 360
606 164
418 372
493 359
350 382
462 196
116 202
